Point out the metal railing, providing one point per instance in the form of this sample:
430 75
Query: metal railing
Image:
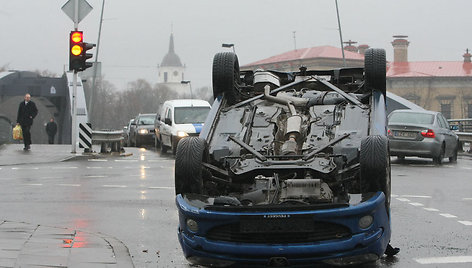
112 139
464 131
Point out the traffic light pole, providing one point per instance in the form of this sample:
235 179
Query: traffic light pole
74 88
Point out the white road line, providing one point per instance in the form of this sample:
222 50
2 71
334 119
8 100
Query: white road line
446 215
97 160
115 186
467 199
468 223
444 260
416 204
403 199
161 187
468 168
21 168
33 184
94 167
67 184
126 160
95 176
393 195
63 167
431 209
416 196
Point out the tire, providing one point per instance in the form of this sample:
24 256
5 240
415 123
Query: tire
453 158
374 163
438 160
375 66
191 153
226 76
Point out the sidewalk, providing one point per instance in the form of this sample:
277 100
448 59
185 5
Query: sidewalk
30 245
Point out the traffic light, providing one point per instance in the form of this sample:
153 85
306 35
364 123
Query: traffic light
75 50
78 55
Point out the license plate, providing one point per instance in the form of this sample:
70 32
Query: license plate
276 224
404 134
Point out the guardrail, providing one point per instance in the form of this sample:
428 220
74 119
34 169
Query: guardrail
112 139
464 127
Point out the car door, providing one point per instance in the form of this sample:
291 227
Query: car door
166 127
449 136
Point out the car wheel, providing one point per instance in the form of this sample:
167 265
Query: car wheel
375 65
226 76
374 163
453 158
191 153
439 158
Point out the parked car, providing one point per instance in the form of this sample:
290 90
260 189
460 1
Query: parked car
179 119
142 130
290 168
422 134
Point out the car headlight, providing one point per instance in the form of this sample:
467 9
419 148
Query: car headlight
182 134
192 225
366 221
143 131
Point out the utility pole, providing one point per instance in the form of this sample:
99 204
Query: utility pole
94 78
340 33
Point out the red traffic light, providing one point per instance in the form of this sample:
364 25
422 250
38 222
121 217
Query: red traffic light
76 37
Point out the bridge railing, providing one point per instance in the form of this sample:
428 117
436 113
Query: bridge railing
464 131
108 139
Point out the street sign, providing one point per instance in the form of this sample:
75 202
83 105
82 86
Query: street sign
83 9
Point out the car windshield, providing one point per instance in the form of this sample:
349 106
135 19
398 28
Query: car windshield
146 120
411 118
189 115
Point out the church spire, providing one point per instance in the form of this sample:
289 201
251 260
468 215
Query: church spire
171 43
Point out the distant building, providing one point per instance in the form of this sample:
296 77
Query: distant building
444 86
171 70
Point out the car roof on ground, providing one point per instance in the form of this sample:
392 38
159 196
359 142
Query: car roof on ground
188 102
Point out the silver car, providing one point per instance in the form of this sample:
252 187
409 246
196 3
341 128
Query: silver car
421 133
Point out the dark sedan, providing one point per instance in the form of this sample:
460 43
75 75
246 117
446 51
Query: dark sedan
421 133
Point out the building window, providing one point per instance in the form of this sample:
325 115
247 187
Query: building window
446 110
165 77
469 110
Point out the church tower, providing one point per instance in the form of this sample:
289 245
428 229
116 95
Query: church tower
171 69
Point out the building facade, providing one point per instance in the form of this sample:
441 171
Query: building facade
171 71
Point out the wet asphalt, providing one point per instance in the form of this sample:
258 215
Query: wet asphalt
130 200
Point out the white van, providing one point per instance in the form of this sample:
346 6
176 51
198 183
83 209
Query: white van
179 119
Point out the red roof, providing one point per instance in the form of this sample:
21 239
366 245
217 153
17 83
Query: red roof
429 69
309 53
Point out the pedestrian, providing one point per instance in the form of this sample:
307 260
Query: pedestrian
51 129
27 111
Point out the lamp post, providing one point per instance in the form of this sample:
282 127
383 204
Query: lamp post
190 85
228 46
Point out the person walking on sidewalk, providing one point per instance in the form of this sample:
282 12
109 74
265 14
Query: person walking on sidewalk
27 111
51 129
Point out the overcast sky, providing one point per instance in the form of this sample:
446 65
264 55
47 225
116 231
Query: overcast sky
135 34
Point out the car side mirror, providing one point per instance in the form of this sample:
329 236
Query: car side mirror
168 122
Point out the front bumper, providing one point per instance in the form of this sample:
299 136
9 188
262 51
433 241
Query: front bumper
362 246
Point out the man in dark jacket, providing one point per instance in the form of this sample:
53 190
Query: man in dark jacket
51 129
27 111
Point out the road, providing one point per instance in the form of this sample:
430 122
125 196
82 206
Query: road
132 199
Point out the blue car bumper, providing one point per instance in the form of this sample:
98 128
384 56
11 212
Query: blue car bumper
356 245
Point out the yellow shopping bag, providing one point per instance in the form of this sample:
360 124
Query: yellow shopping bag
17 133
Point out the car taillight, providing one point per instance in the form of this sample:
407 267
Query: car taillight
428 133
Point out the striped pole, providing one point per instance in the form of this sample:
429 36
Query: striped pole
85 136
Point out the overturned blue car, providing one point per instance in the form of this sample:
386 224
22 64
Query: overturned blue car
290 169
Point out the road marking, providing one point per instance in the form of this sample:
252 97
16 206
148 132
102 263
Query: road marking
95 176
467 199
468 223
446 215
126 160
33 184
67 184
63 167
393 195
114 186
403 199
444 260
468 168
97 160
417 196
431 209
21 168
416 204
161 187
94 167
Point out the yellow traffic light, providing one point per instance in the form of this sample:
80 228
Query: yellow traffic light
76 50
